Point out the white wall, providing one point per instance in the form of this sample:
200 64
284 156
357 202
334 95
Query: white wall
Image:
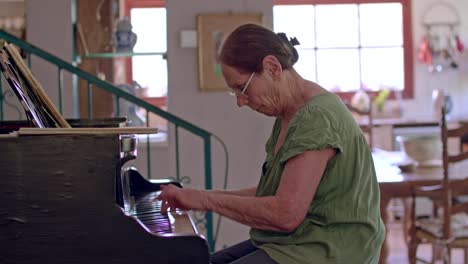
455 81
49 27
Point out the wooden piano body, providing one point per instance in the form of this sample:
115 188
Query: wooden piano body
59 204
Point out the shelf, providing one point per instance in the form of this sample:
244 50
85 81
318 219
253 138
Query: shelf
121 54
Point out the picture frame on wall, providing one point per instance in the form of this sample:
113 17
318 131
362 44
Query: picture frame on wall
212 30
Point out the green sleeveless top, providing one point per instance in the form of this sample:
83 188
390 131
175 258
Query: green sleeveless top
343 223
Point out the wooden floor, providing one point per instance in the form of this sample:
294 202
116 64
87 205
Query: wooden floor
398 248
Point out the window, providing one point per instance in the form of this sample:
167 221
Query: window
148 19
349 45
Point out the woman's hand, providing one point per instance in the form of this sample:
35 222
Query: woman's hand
174 198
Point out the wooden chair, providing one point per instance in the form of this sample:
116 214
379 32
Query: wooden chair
464 139
441 231
368 121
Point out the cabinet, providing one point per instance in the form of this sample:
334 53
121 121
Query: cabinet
94 25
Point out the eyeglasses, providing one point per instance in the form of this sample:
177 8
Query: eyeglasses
235 92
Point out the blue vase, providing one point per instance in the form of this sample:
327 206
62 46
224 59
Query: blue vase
125 41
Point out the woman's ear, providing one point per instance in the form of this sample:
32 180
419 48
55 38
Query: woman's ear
272 67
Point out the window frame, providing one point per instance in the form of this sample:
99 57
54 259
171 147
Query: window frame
127 6
408 89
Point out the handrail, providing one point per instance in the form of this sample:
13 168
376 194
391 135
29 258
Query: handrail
91 79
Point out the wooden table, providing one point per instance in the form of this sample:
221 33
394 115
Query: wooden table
396 184
408 122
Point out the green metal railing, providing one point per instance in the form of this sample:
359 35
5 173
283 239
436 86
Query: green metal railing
93 81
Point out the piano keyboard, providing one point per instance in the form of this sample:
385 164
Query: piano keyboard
148 212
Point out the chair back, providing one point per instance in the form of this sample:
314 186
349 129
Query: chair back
367 125
464 138
449 159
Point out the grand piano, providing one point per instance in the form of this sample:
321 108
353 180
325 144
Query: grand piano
70 198
61 201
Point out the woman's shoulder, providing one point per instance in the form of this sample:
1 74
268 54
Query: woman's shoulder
325 100
323 107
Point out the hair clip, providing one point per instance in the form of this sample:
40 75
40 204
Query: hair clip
282 36
294 41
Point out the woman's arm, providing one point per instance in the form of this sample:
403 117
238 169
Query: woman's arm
284 211
240 192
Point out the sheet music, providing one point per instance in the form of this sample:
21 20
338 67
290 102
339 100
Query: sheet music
38 107
12 78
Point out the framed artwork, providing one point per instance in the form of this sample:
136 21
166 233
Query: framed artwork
212 30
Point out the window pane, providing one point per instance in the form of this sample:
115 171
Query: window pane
149 24
382 68
305 66
151 72
295 21
337 26
338 70
381 24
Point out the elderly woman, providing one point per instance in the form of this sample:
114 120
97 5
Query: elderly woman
317 200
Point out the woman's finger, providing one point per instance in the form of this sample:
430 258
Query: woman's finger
164 207
161 195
